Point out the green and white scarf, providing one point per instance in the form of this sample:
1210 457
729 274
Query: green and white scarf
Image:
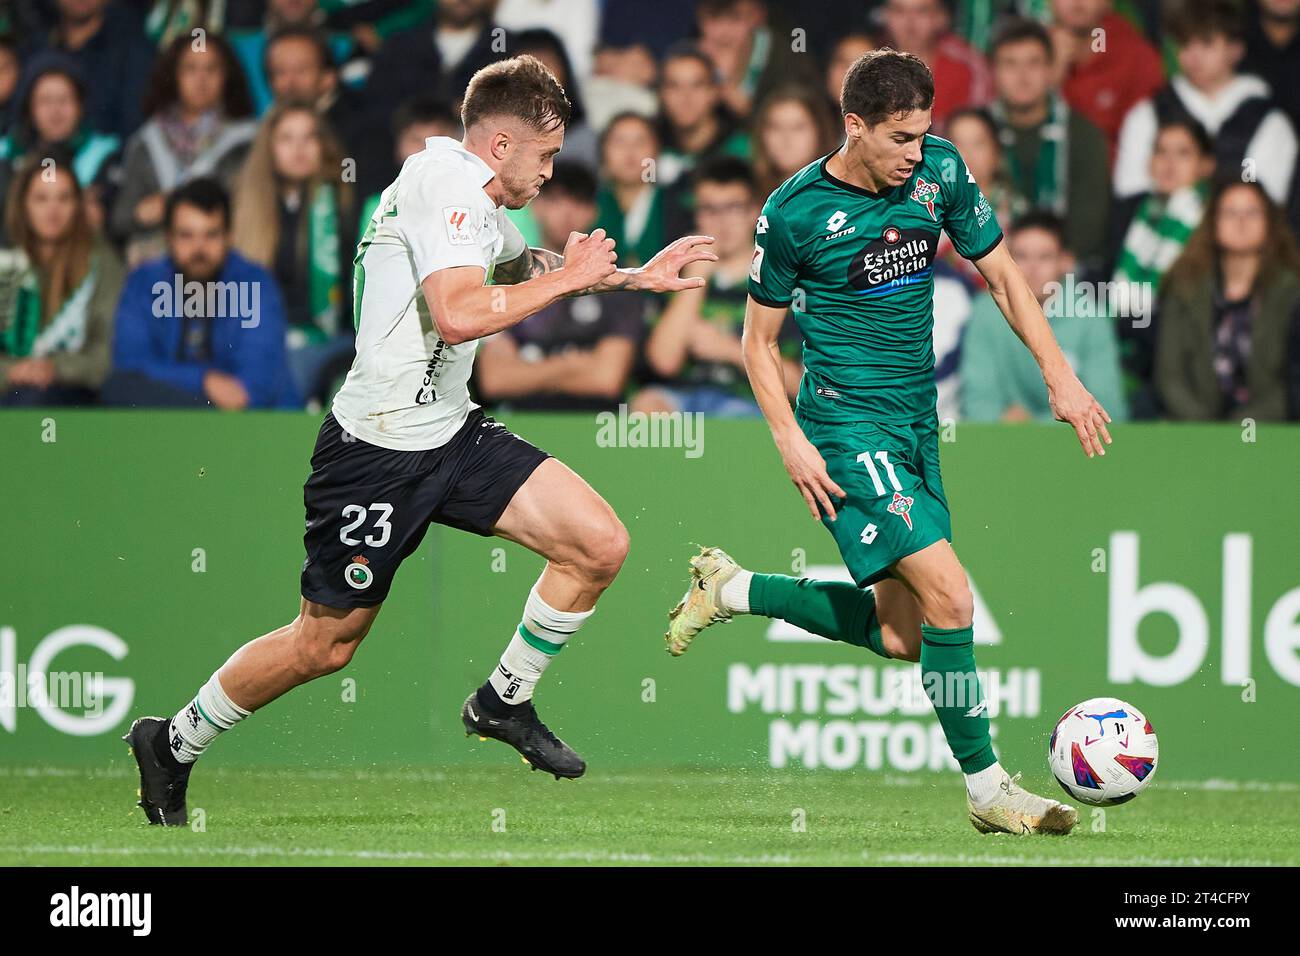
324 294
1159 231
759 53
22 335
1050 186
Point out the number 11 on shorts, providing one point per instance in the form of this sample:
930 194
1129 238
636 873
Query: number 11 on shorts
883 458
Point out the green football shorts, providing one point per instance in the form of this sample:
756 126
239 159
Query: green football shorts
895 504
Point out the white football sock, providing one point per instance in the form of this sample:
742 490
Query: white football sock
735 593
210 713
985 785
540 636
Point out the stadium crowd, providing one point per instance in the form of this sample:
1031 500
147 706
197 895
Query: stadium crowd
1141 156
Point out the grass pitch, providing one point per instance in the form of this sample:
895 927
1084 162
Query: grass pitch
674 817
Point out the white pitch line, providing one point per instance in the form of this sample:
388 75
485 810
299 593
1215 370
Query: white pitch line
604 856
1231 786
971 859
443 856
760 776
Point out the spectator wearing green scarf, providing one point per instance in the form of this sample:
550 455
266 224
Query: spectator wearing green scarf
632 207
52 116
695 121
290 213
1055 158
1149 233
58 288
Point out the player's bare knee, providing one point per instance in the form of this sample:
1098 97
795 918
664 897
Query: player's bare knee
325 645
950 602
605 551
901 648
327 657
339 654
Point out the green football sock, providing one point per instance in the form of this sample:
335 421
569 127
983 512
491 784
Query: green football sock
836 609
950 681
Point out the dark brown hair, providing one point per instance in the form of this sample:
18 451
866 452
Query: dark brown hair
1204 19
979 115
521 88
71 259
255 221
819 111
885 82
164 90
1200 256
309 35
1021 30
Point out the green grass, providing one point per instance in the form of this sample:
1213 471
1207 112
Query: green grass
65 816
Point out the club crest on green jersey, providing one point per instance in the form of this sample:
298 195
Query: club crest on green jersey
926 193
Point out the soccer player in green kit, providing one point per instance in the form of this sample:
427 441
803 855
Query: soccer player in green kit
853 236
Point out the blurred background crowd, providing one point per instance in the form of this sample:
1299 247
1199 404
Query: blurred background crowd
1141 157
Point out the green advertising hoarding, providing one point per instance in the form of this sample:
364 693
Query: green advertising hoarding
142 549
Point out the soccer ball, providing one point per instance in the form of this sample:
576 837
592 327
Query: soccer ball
1103 751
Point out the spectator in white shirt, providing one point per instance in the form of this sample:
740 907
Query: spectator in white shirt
1253 138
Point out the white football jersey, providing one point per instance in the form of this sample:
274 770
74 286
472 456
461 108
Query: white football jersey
407 389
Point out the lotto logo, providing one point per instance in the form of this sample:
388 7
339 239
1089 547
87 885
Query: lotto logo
836 221
459 229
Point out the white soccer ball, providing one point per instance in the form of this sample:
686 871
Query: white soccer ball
1103 751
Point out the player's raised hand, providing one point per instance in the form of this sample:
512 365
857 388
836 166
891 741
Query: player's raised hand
663 272
589 258
1073 403
807 470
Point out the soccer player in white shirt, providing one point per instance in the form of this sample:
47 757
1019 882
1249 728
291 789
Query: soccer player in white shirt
404 445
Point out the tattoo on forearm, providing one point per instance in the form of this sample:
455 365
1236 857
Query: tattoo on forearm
542 261
622 280
529 265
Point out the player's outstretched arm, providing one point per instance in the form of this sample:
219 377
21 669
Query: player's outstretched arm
763 363
661 274
464 309
530 264
1070 401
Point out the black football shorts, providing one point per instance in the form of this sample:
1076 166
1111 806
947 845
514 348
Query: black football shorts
368 507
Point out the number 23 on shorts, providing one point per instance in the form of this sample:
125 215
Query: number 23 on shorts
356 515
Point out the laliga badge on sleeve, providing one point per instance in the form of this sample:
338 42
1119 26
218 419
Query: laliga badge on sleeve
460 231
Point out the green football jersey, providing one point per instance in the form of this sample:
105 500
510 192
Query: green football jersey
858 268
